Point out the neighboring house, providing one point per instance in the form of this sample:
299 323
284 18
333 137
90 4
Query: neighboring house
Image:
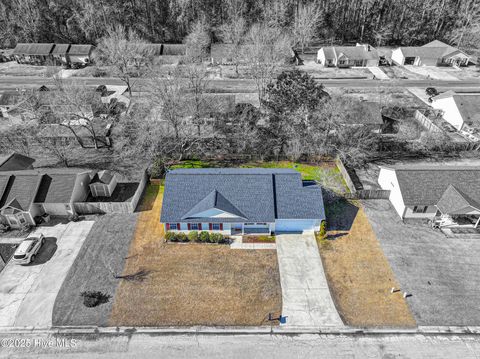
447 194
15 162
435 53
461 110
361 55
35 54
103 184
59 54
80 55
240 200
117 93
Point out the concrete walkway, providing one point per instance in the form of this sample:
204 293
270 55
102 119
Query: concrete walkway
28 292
378 73
305 293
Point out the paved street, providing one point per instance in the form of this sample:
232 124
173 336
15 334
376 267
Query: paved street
9 83
306 299
243 346
28 292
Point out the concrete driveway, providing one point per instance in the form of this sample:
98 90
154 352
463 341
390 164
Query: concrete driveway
305 294
27 293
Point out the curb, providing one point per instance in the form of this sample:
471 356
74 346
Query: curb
198 330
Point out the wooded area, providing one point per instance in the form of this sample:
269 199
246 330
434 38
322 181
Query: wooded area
380 22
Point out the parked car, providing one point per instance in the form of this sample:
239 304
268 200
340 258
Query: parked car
28 249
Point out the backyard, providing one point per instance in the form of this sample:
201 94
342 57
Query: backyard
193 284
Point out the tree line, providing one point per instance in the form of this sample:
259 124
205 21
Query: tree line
380 22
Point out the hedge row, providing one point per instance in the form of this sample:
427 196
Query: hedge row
194 236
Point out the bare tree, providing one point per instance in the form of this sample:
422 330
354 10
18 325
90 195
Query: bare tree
267 49
307 19
233 33
198 42
125 52
467 24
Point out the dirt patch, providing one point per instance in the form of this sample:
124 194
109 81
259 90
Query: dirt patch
359 275
258 239
193 284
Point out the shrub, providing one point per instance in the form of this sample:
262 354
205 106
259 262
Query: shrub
204 236
94 298
182 237
193 236
170 237
215 237
323 229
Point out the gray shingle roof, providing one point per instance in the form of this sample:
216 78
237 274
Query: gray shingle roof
103 176
454 201
33 49
56 188
15 162
351 52
23 189
426 185
80 50
258 194
60 49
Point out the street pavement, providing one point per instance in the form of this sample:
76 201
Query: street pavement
9 83
28 292
264 346
306 299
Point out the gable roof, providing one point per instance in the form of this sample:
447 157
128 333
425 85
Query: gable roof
15 162
3 184
254 194
351 52
80 50
467 104
23 189
60 49
427 185
213 200
56 188
436 43
33 49
104 177
454 201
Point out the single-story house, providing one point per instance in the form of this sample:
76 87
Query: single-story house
361 55
461 110
36 54
240 200
449 195
15 162
435 53
80 54
103 184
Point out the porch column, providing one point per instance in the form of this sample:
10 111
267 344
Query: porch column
478 221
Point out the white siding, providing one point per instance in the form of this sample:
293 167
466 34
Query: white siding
387 179
397 56
321 57
451 113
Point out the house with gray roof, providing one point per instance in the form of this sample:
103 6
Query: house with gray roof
435 53
461 110
241 200
449 195
361 55
15 161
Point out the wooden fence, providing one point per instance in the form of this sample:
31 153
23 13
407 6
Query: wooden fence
356 187
426 122
113 207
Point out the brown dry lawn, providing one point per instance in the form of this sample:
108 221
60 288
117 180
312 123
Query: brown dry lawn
360 276
193 284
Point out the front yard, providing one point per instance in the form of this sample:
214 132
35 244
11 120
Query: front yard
193 284
359 275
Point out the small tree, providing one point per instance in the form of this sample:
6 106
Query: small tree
124 51
233 33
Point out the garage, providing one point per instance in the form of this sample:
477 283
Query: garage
295 225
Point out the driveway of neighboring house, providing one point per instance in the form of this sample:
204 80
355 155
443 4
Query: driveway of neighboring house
305 294
28 292
440 273
378 73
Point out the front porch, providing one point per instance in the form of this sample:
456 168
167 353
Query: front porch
467 221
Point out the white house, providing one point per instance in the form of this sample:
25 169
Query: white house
361 55
449 194
462 111
240 200
435 53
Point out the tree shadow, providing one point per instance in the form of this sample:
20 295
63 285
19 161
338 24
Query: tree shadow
331 237
148 198
340 212
46 252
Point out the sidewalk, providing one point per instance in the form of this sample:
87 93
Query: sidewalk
378 73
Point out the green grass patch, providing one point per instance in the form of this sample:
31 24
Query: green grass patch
322 241
258 239
194 164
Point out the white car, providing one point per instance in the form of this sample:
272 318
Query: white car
28 249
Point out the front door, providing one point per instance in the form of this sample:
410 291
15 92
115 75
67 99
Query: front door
237 228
